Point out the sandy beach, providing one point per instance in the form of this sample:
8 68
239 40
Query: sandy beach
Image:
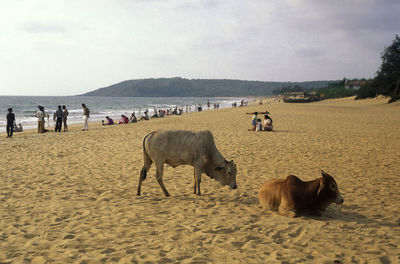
71 197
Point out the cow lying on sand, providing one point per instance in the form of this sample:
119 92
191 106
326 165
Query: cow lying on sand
292 196
179 147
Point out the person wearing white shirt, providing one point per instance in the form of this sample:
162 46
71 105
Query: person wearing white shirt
40 118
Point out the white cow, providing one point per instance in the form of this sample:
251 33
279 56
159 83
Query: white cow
180 147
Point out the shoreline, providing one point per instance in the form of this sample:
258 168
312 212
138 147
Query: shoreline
110 107
97 122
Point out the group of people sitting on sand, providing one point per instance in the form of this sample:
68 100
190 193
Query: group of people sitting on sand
258 125
133 119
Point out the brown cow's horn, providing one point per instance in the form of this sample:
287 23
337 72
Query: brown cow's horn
321 187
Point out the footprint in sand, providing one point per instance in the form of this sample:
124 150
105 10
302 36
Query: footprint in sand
70 236
237 244
108 250
166 260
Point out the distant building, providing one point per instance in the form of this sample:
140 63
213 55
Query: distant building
355 84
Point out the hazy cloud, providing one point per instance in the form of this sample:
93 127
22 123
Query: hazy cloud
346 16
310 52
183 4
36 27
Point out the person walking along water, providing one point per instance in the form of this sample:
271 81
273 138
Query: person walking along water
58 116
65 115
10 122
86 113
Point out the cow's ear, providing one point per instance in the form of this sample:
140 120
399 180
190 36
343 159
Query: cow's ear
324 174
226 161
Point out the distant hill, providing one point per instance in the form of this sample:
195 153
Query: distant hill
180 87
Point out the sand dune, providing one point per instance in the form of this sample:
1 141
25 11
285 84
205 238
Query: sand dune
71 197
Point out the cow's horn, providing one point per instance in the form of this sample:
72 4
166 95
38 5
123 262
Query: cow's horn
321 187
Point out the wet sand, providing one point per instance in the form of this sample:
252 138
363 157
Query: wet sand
71 197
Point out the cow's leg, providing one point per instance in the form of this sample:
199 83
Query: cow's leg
286 211
197 180
143 173
194 185
159 176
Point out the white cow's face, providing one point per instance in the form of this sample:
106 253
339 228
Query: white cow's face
226 174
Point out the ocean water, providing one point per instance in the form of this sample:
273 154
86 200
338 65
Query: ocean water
24 107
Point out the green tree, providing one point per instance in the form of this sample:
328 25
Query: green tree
387 80
388 75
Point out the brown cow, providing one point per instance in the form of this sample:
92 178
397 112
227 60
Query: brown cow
180 147
292 196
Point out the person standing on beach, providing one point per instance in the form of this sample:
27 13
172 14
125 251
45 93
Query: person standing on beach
58 117
10 123
40 118
64 118
86 113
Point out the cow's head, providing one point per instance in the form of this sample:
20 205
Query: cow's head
225 174
328 191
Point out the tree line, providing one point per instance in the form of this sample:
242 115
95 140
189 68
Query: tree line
333 90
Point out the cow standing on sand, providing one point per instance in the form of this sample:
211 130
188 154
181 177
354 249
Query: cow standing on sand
180 147
292 196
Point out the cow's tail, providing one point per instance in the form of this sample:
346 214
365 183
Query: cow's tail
146 159
146 164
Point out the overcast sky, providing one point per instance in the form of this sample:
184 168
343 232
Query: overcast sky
52 47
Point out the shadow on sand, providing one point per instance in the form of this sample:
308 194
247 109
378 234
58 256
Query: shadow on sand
348 213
